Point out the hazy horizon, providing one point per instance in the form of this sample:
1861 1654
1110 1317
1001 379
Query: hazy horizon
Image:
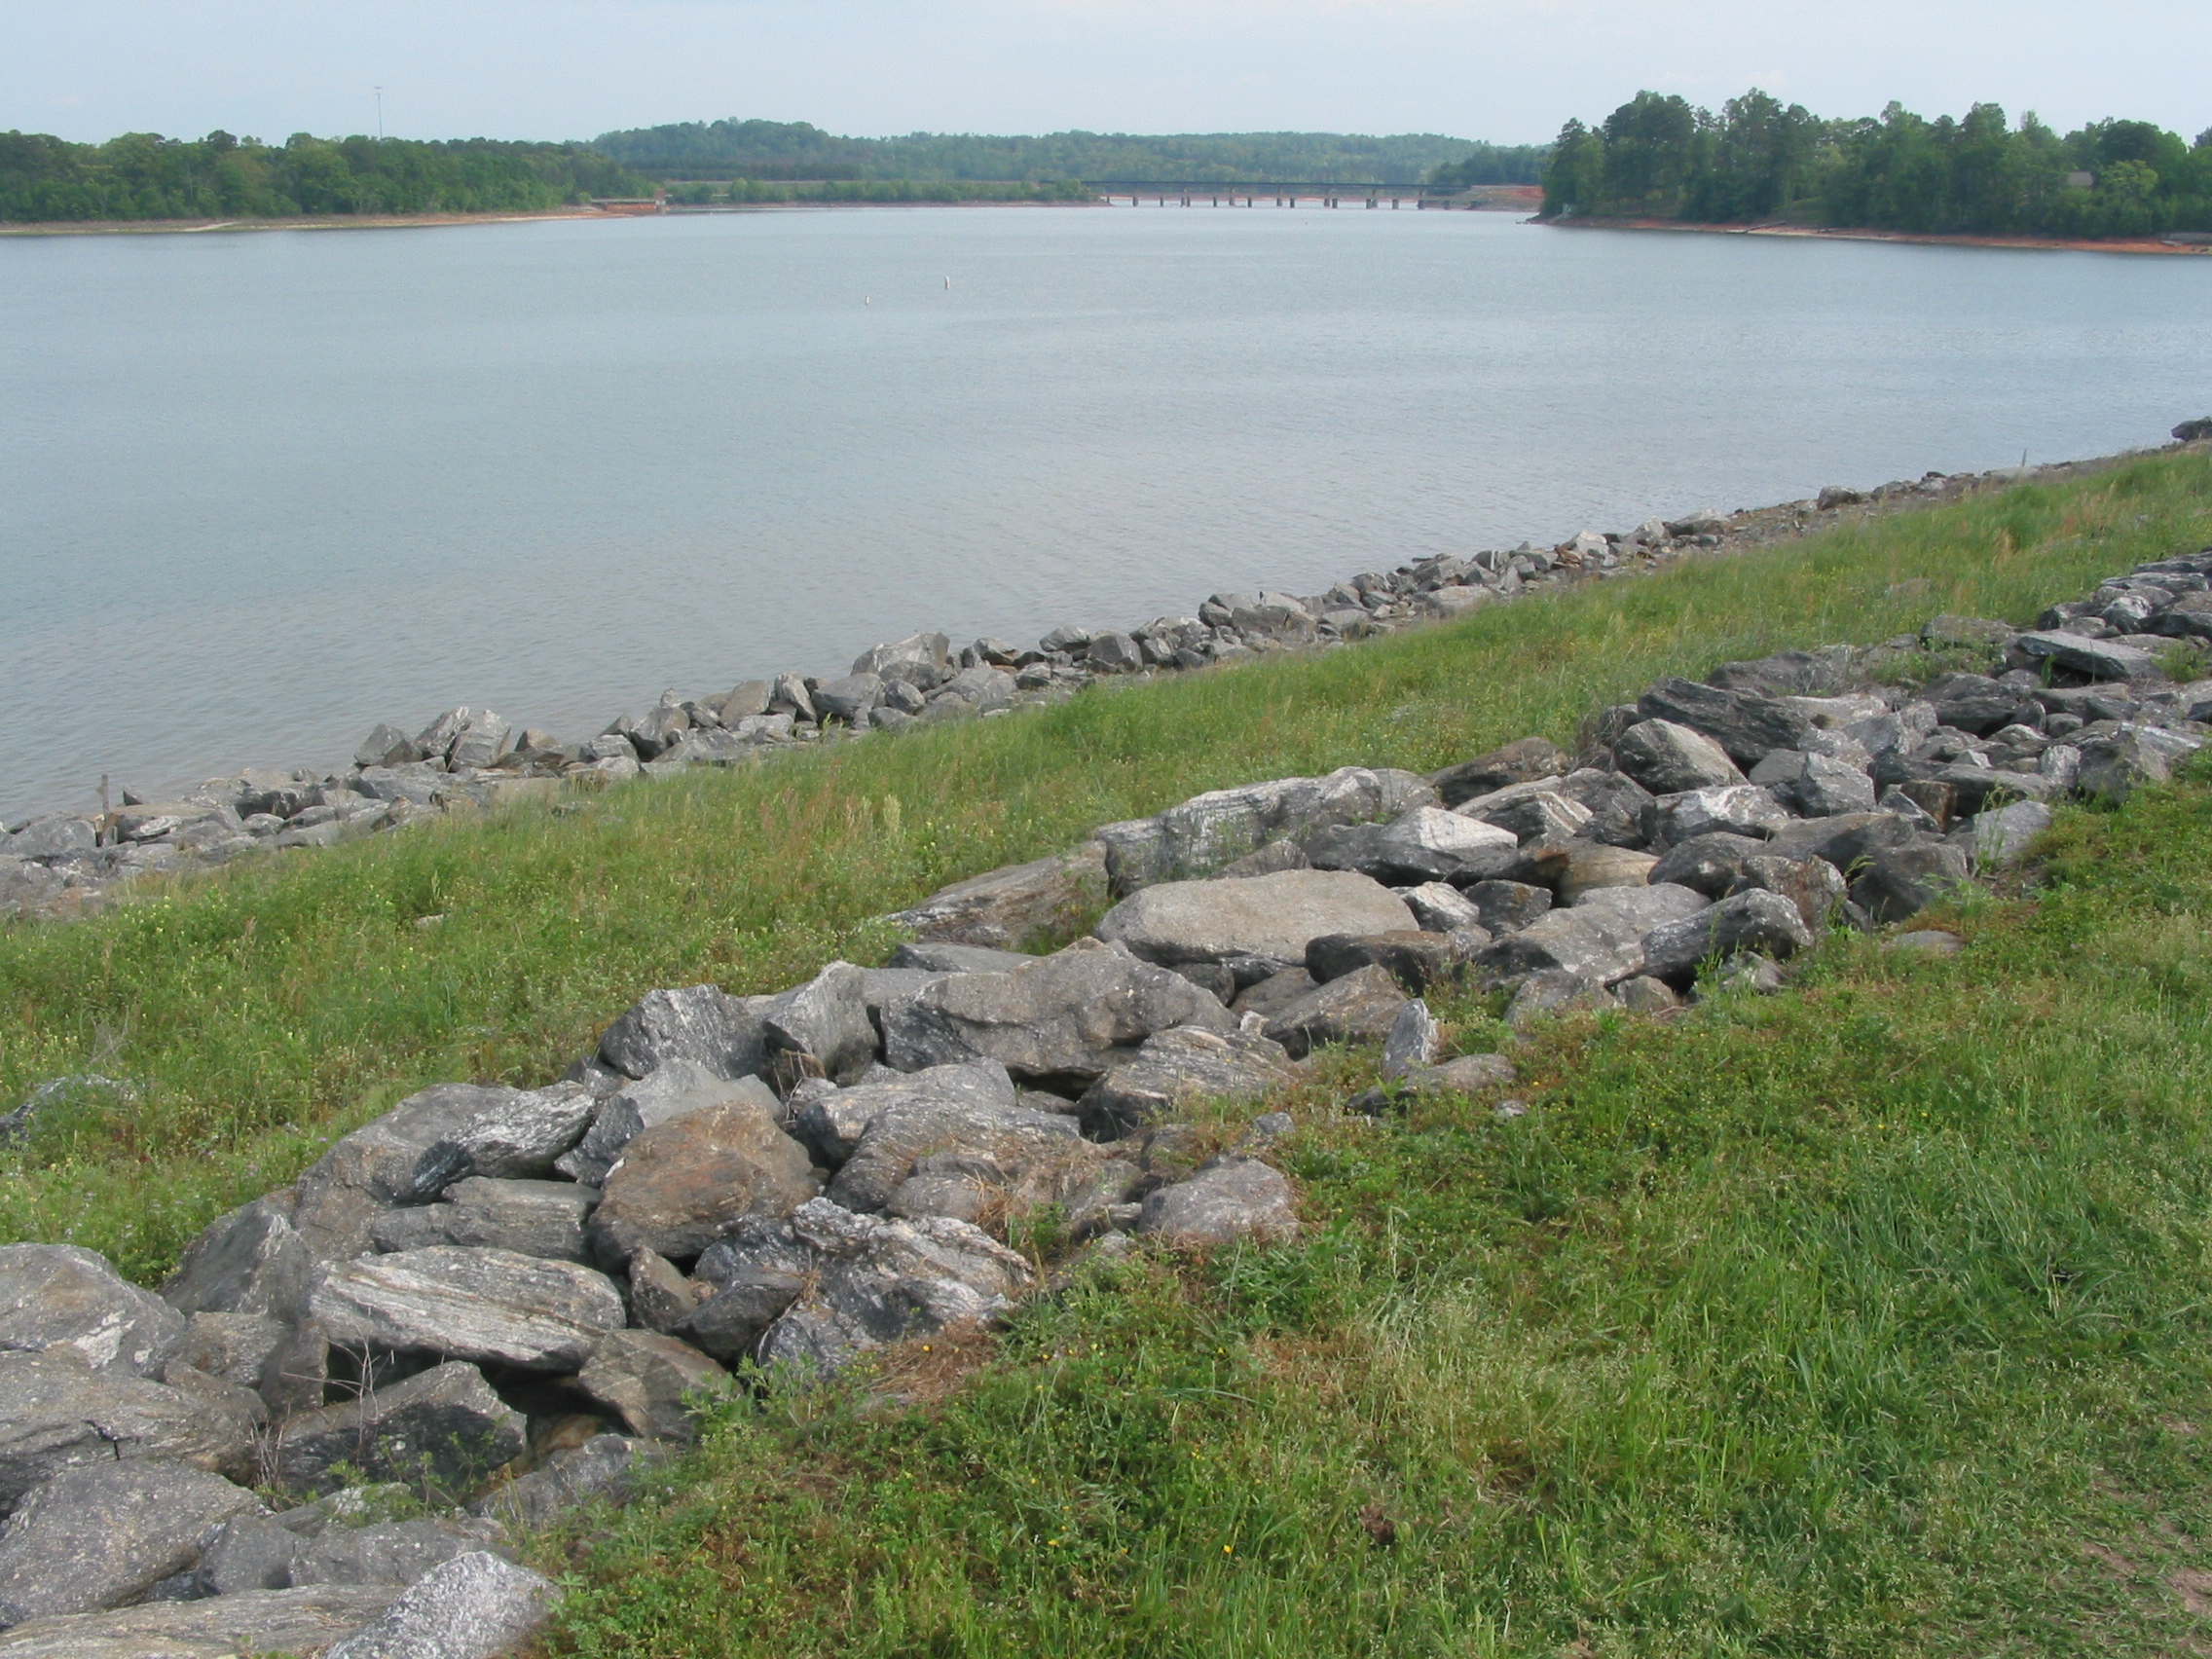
1507 71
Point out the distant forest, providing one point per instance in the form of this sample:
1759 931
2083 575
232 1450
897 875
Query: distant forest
795 150
1656 156
142 175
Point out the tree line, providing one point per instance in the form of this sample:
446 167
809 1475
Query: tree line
771 150
143 176
1756 160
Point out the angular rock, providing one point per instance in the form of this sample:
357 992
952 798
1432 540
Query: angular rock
235 1348
644 1379
661 1297
1597 941
251 1551
1551 992
443 1423
680 1186
1425 844
1824 788
1009 908
58 1413
528 1218
2094 660
1646 995
832 1122
1754 920
700 1023
1617 806
753 1277
1508 906
2113 768
1224 1201
1272 917
386 746
1844 840
1015 1154
1071 1014
1899 882
1269 996
1415 959
1468 1074
2002 837
58 1293
1709 863
1591 865
1413 1041
491 1305
1524 761
974 690
848 699
55 836
472 1606
822 1027
1666 758
674 1089
1439 908
450 1131
1735 809
102 1535
1814 885
1361 1007
394 1553
1202 834
879 1281
1743 724
1176 1067
940 957
602 1467
1542 814
923 660
1971 702
261 1621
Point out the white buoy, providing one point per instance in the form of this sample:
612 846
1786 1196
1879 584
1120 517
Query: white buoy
948 282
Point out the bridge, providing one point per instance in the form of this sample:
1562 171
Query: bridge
1218 193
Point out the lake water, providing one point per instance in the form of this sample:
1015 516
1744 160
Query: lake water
264 490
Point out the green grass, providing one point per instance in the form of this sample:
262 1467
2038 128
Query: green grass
1870 1319
261 1012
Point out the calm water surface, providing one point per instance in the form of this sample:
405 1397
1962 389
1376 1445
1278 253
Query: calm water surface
260 491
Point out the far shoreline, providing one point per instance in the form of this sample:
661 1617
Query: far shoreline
1931 239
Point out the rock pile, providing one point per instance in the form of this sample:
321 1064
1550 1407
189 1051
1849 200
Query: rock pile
62 865
507 1298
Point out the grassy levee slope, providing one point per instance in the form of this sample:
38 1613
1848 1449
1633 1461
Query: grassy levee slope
261 1012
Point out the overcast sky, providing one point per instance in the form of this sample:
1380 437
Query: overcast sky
1508 70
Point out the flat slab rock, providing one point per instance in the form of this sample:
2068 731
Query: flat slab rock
305 1623
1359 1007
1271 917
58 1293
58 1413
1176 1067
1006 908
104 1535
489 1306
1227 1199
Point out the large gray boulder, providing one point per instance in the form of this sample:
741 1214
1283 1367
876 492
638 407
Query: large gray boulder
530 1218
251 1260
1013 907
752 1276
1899 882
1262 918
222 1627
489 1306
1732 809
1175 1068
1599 941
58 1413
879 1281
2094 660
1745 725
1843 840
1360 1006
821 1028
700 1023
602 1467
1709 865
674 1090
1227 1199
1426 844
940 1157
1211 831
646 1379
1523 761
1666 758
680 1186
1071 1014
396 1553
831 1122
58 1293
445 1425
104 1535
473 1607
235 1348
848 699
2002 837
1756 920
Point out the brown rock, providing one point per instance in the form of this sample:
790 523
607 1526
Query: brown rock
680 1184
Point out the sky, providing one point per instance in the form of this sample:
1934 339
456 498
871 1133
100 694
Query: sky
1506 70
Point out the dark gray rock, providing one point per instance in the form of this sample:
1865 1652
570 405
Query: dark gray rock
395 1553
1754 920
1522 761
1709 865
530 1218
939 956
700 1023
1508 906
1417 960
250 1551
489 1306
752 1276
1071 1014
1597 941
58 835
1745 725
444 1425
848 699
1538 815
1426 844
1815 886
2114 767
878 1281
674 1089
2094 660
1224 1201
385 746
661 1297
821 1028
1361 1007
646 1379
1177 1067
1274 917
603 1467
1844 840
449 1132
1009 908
105 1534
1666 758
473 1607
1269 996
58 1413
58 1293
1617 805
680 1186
235 1348
263 1621
1971 702
1208 831
1899 882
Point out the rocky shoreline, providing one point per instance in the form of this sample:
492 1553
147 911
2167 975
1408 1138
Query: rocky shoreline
62 864
338 1422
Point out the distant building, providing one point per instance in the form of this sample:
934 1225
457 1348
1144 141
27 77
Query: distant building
2081 181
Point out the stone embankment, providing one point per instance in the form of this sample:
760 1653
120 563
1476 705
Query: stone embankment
64 864
328 1429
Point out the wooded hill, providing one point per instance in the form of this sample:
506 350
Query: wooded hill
1657 157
